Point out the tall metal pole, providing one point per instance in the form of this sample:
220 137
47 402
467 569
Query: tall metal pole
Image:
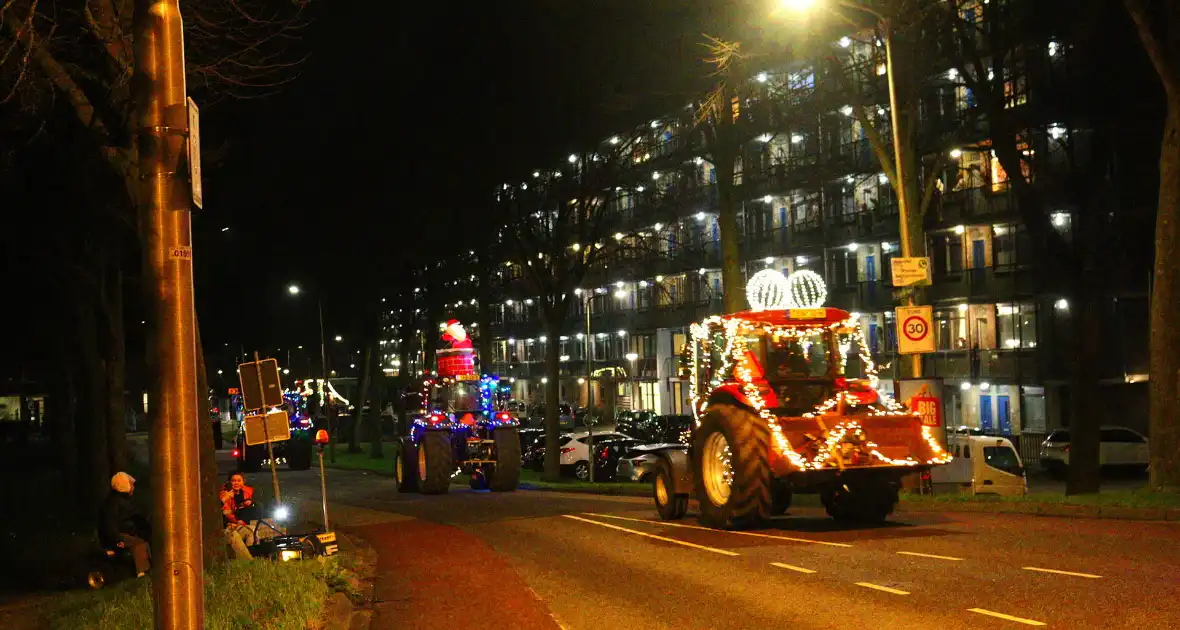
270 450
589 388
900 153
319 304
165 194
323 348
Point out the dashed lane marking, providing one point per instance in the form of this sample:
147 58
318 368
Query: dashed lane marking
927 555
653 536
992 613
1081 575
884 589
791 568
710 529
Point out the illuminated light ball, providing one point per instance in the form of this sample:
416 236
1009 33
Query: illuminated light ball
767 289
805 289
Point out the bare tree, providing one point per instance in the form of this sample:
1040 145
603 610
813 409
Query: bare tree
727 121
66 77
1158 22
563 228
996 49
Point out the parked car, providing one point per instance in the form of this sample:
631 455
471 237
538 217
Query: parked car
607 454
1120 448
575 451
639 464
530 440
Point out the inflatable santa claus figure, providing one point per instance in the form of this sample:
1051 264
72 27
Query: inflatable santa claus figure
459 359
455 334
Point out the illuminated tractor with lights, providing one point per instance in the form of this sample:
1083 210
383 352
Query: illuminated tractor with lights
458 428
786 402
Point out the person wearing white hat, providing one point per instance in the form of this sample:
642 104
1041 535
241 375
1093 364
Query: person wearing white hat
120 524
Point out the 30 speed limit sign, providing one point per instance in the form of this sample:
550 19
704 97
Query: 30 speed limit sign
915 329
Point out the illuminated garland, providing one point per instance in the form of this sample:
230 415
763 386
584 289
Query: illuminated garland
735 354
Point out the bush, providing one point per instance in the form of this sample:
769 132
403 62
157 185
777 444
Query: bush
258 594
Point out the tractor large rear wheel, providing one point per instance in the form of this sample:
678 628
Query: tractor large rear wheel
506 475
435 463
730 461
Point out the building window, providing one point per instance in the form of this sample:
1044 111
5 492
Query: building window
1016 325
951 329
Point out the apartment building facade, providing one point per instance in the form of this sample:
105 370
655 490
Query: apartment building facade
813 196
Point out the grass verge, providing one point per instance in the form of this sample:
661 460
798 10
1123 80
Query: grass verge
1142 498
362 460
531 480
245 594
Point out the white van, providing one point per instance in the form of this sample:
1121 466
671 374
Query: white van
982 465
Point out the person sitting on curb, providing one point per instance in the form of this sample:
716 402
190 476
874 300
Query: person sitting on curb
121 526
237 505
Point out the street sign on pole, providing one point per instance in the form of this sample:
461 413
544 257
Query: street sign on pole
910 271
260 384
270 427
194 153
915 329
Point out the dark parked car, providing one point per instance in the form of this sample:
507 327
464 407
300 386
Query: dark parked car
654 429
607 454
530 440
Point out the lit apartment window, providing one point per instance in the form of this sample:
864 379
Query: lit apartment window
1016 325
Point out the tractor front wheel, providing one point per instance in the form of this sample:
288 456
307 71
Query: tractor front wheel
405 464
670 506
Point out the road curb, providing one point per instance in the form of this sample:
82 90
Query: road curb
1049 509
610 492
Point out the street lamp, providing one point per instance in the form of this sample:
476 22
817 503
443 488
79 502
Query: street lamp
295 290
899 151
586 300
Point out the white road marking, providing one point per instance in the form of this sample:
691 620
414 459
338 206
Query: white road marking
927 555
886 589
790 568
1084 575
725 531
653 536
992 613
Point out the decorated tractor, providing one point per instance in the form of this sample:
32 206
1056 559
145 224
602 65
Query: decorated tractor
459 428
786 401
296 451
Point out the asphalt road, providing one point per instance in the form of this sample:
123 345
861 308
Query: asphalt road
535 559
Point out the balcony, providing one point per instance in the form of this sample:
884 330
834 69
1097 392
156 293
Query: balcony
983 284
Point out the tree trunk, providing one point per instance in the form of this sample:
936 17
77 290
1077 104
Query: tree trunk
354 438
732 279
211 531
1164 415
60 411
1085 398
92 445
116 359
552 421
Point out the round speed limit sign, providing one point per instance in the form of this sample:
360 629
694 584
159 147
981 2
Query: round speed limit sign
915 323
915 329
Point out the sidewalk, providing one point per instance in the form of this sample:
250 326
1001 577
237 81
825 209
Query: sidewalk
437 576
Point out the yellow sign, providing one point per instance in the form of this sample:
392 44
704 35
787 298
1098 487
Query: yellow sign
807 313
467 377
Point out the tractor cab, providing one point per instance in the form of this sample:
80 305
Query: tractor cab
798 359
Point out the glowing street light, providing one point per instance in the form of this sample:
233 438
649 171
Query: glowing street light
293 289
339 338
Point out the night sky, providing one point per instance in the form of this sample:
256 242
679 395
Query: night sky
401 123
